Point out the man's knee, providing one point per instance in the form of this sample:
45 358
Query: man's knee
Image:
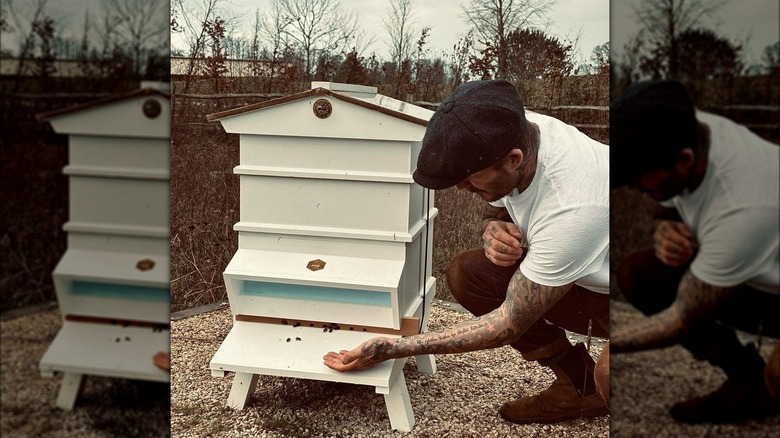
476 283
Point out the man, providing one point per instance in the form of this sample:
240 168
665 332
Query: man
544 265
714 266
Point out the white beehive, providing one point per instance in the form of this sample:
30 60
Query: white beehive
334 242
113 281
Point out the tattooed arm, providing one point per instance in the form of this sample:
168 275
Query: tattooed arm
696 301
525 303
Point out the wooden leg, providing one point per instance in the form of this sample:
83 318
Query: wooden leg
399 406
426 363
69 391
242 389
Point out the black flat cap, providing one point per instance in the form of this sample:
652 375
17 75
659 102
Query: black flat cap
472 129
649 125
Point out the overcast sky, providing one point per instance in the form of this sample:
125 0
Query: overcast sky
754 23
447 24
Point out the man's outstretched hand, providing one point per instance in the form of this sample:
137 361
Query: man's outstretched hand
365 356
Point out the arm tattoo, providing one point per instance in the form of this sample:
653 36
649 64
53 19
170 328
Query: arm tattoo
525 303
696 302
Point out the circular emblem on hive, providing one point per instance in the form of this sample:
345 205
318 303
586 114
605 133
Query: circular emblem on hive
152 108
322 108
316 265
145 265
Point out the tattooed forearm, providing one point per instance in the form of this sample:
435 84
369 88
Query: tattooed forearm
526 302
696 302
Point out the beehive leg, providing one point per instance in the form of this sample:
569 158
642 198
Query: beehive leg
69 391
426 363
399 406
242 389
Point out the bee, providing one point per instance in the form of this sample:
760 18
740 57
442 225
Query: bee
297 339
288 339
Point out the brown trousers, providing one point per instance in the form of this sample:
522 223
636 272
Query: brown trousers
480 286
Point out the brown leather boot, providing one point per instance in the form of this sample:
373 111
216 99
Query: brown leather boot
772 374
601 374
742 396
562 401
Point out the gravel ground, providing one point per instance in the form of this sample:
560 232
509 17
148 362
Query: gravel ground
646 384
460 400
106 407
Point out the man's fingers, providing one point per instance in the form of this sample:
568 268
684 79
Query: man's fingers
514 231
501 259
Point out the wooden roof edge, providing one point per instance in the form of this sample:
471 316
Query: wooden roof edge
319 91
46 115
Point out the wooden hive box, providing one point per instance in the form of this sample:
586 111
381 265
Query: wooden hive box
333 233
113 281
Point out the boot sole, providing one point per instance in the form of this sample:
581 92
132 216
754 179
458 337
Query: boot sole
599 411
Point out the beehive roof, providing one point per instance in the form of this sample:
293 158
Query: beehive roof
372 101
147 91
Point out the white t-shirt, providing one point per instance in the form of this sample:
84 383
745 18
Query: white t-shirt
735 211
564 213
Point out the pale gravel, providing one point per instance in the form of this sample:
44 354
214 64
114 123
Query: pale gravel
646 384
460 400
106 407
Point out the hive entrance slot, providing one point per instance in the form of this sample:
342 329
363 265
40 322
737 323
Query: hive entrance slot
112 290
317 293
409 325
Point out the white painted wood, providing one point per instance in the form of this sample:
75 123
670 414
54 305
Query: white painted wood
361 274
325 203
124 118
316 231
69 390
348 89
119 201
119 190
114 152
324 245
258 348
107 266
241 390
426 363
124 173
346 121
92 349
110 229
323 154
290 172
155 245
399 405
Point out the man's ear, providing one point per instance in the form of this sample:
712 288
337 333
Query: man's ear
685 160
514 158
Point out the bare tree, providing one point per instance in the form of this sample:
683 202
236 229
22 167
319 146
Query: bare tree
493 20
318 26
272 29
400 31
190 21
665 20
139 23
22 15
